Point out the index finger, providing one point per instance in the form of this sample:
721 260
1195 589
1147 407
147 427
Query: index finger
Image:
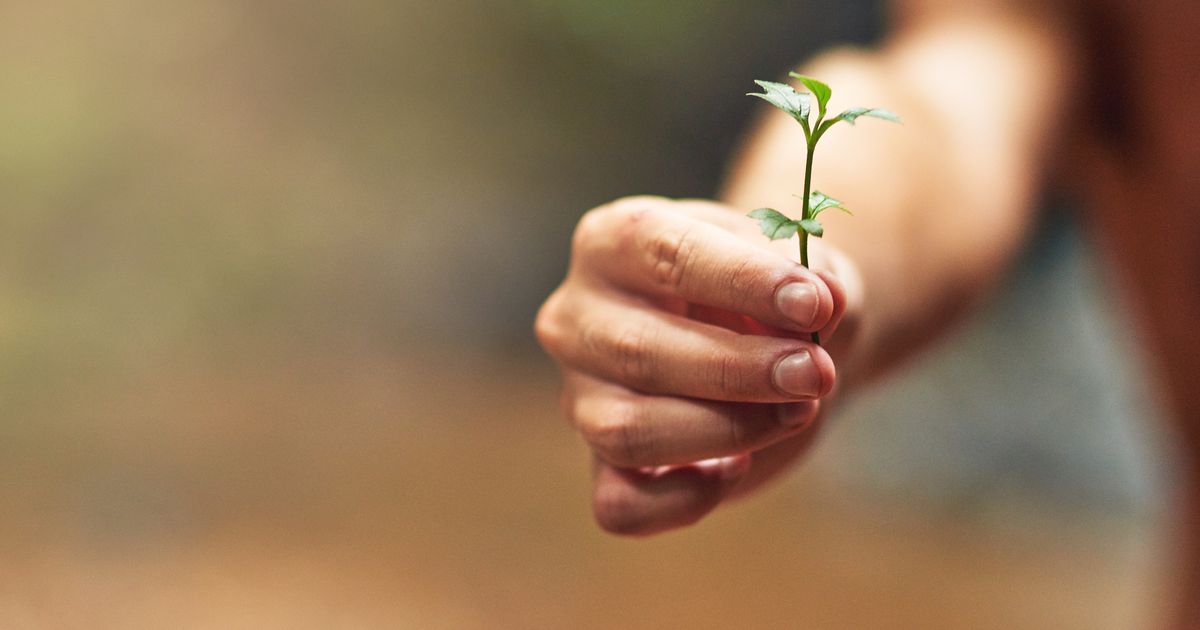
645 246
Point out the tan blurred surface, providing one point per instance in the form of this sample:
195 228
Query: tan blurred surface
340 492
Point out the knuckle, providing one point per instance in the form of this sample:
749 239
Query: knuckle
601 225
589 229
671 253
627 349
616 433
630 348
635 206
547 325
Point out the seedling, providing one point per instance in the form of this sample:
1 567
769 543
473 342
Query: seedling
798 105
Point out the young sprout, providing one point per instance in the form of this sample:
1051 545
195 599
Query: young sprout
798 105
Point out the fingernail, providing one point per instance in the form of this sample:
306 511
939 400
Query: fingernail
792 415
797 375
799 302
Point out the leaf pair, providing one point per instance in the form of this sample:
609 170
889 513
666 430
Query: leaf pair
798 104
776 225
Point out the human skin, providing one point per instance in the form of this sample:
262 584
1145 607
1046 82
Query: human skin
649 323
996 97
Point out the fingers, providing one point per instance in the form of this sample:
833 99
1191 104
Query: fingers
686 357
634 502
633 430
648 247
639 503
661 353
771 462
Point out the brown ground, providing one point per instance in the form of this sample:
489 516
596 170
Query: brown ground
328 493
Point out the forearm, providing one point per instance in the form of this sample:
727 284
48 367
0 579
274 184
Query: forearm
945 200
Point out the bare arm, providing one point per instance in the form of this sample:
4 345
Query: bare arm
945 200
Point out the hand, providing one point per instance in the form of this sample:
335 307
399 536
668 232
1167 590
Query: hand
684 340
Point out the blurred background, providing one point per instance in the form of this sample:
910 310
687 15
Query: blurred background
267 277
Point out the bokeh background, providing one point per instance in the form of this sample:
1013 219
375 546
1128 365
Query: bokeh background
267 277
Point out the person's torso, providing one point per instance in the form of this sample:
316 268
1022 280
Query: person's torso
1138 163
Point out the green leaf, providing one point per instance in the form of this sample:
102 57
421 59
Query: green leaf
820 90
818 202
774 224
853 113
785 97
874 112
812 226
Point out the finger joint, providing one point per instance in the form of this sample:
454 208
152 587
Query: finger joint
630 353
728 376
618 436
671 257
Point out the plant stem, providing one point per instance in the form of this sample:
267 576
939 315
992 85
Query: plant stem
808 164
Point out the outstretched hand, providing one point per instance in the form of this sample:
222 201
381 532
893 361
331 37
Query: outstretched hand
683 339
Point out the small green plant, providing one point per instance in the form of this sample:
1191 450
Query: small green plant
798 105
